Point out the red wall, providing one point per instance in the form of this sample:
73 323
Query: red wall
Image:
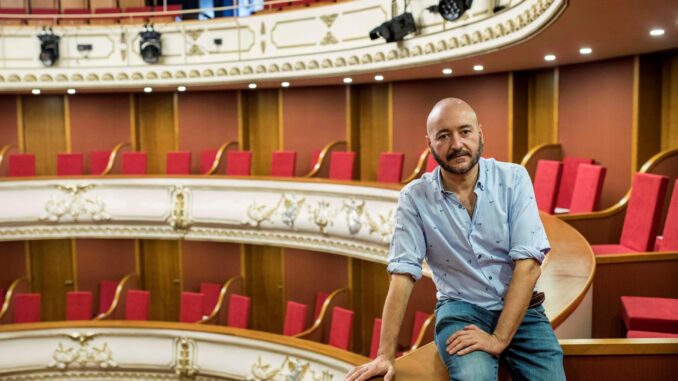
13 260
8 125
413 100
595 117
312 117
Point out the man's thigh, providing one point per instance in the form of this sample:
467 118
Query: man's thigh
534 352
453 316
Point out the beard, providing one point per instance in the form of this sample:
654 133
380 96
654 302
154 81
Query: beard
458 153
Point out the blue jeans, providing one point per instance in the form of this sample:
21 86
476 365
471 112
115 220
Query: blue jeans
534 352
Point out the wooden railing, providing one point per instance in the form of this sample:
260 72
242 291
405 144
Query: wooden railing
323 158
3 152
422 333
114 155
220 301
10 294
541 152
323 312
420 168
219 155
116 298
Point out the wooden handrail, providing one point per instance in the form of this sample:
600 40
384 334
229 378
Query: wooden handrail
220 301
420 168
323 311
422 333
528 156
9 294
220 153
3 152
112 157
322 158
116 298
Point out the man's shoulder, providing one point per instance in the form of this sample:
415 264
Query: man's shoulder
502 169
421 185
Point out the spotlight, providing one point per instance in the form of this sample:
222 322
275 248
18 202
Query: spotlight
452 10
395 29
49 47
150 45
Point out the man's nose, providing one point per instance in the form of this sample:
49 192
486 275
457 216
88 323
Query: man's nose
456 143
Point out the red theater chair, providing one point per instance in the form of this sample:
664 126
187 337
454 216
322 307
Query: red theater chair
341 327
74 21
134 163
650 315
46 20
431 163
283 163
239 311
136 305
26 308
419 320
567 182
178 163
295 318
587 188
98 160
211 292
238 163
191 307
315 156
106 294
546 183
390 167
78 305
135 19
668 241
105 20
376 336
21 165
642 216
2 296
166 18
320 298
69 164
341 165
207 160
11 11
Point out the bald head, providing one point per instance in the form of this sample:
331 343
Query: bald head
450 112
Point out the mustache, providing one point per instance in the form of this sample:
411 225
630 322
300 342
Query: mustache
457 153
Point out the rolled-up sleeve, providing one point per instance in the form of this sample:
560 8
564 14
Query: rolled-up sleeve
528 237
408 244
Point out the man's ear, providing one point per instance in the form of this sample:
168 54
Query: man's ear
428 141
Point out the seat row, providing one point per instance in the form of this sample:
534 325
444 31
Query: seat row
50 13
571 186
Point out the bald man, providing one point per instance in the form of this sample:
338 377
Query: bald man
476 223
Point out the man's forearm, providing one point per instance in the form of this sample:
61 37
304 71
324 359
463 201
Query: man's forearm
517 299
394 310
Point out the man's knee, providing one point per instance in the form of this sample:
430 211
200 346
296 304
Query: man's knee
475 366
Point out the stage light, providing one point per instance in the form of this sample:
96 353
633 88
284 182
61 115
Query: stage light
49 47
70 91
150 45
378 77
181 89
285 84
447 71
395 29
452 10
585 51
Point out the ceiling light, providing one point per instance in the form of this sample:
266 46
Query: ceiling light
478 68
181 89
285 84
35 91
378 77
657 32
71 91
148 89
252 85
550 57
585 51
348 80
447 71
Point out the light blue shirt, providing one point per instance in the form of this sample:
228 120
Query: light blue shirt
471 258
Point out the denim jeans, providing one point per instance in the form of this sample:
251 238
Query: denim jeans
533 354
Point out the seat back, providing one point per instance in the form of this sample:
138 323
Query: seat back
341 165
319 300
431 163
26 308
69 164
211 292
21 165
178 163
206 160
239 163
670 233
587 188
567 180
79 305
106 294
341 327
295 318
376 336
546 183
239 311
134 163
283 163
136 305
191 307
643 211
419 320
390 167
98 160
315 156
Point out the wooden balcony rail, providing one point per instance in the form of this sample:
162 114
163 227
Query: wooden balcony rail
3 152
116 298
541 152
323 158
9 294
220 154
419 169
113 156
422 333
323 312
220 301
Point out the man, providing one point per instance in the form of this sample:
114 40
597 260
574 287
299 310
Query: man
476 222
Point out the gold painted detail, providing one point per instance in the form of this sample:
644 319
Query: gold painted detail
383 227
292 206
194 34
195 50
291 369
329 39
322 215
178 218
185 355
74 204
82 354
329 19
257 213
354 215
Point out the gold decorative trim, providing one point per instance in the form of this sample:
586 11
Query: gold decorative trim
82 355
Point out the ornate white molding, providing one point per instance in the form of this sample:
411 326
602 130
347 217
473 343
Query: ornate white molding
319 41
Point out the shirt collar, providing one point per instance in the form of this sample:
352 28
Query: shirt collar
480 184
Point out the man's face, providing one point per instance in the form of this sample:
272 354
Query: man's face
456 142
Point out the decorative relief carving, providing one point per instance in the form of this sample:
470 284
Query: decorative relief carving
74 204
194 34
383 227
82 355
185 358
322 215
258 213
178 218
329 19
195 50
291 207
291 369
354 215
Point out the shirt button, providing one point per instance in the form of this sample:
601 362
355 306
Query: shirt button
479 255
490 277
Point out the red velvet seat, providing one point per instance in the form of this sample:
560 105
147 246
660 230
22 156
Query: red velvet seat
342 165
79 305
43 11
642 216
376 337
587 188
191 307
315 156
74 11
21 165
669 238
211 292
546 183
341 328
650 335
178 163
239 163
136 305
69 164
295 318
106 294
26 308
419 320
98 160
239 311
207 160
283 163
431 163
11 11
390 167
135 19
134 163
568 180
2 296
105 20
650 314
320 298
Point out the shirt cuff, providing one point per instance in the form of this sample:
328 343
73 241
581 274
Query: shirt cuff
526 252
404 268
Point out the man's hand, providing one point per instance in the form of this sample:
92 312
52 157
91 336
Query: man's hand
472 338
380 366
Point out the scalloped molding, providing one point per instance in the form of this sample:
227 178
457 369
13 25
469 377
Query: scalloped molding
320 41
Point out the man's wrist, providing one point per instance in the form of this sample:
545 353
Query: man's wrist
386 356
502 339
